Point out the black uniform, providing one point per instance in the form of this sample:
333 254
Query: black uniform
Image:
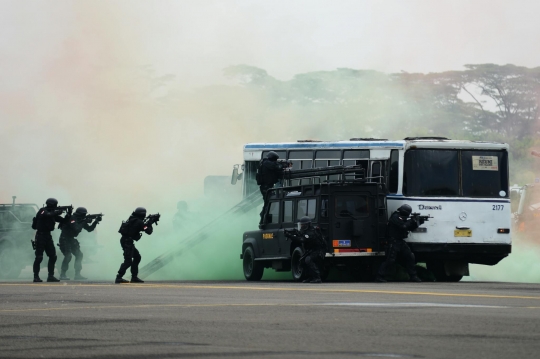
398 229
71 227
46 218
315 250
269 174
132 257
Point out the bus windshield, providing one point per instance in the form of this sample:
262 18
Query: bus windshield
454 173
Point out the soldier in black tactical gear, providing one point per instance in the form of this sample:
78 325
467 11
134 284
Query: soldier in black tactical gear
71 227
44 223
314 246
131 232
399 226
269 173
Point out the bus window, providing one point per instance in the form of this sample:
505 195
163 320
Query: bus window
287 211
328 158
484 173
431 173
355 158
394 171
347 206
282 154
306 207
274 212
301 160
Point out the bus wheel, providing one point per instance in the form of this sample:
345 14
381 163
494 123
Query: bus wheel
10 268
253 270
437 268
297 269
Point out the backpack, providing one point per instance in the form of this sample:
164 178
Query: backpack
34 223
124 228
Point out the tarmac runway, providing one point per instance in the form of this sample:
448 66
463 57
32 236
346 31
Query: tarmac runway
269 320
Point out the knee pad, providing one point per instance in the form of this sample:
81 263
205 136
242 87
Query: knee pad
39 258
308 260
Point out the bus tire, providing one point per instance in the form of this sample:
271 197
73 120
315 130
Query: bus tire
437 268
253 270
297 270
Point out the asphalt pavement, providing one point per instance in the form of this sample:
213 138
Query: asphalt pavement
269 320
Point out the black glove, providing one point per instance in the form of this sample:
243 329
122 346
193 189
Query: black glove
70 210
98 219
420 221
57 212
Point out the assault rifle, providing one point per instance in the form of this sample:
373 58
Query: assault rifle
294 234
68 209
287 163
91 217
151 219
291 234
419 218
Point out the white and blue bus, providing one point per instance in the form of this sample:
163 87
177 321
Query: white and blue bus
463 185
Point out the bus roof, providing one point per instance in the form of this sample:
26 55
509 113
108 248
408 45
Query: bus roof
378 144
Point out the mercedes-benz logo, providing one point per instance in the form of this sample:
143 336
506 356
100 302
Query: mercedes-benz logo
463 216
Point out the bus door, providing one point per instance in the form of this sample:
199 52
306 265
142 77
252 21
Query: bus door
354 222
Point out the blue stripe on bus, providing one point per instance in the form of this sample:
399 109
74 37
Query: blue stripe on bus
403 198
320 145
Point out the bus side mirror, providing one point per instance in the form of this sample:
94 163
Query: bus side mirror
235 177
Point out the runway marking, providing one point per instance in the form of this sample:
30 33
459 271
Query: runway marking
319 289
412 304
217 305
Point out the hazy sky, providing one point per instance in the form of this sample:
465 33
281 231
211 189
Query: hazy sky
196 39
72 105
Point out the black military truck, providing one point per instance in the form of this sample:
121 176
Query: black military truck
15 235
351 213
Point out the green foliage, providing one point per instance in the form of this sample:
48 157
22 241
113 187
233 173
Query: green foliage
483 102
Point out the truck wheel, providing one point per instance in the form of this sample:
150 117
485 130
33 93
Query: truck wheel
253 270
10 267
297 269
437 268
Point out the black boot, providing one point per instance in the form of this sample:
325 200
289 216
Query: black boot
316 280
63 276
78 276
52 278
37 279
415 279
136 280
119 280
380 279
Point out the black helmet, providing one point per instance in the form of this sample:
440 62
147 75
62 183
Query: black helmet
304 223
405 210
272 156
139 212
80 212
51 203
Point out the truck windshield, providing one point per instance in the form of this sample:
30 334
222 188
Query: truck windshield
455 173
